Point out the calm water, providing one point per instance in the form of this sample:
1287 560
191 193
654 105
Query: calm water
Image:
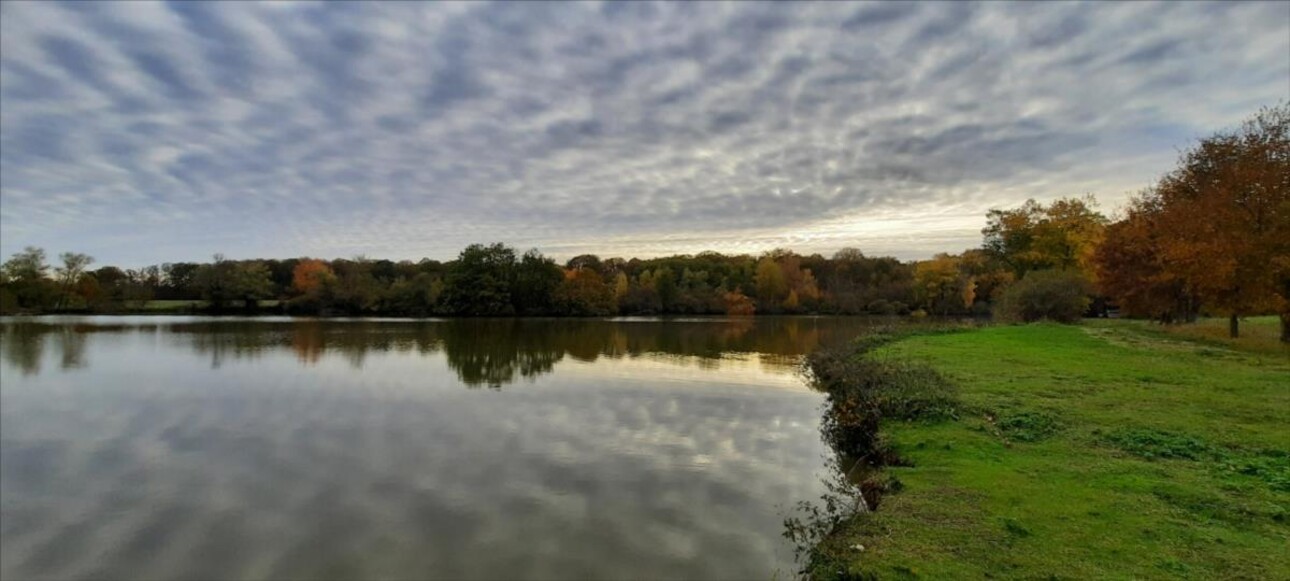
185 448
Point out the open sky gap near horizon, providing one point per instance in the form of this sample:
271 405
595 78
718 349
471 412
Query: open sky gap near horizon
146 132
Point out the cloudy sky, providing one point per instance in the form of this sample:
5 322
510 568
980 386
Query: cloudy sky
144 133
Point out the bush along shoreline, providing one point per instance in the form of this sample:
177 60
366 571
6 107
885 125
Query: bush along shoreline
864 392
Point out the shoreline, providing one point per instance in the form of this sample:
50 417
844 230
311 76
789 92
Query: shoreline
1104 449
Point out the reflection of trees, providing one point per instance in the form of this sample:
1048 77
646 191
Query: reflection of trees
23 345
23 342
71 344
490 352
494 352
309 339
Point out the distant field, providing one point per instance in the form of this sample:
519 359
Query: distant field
1107 450
188 305
172 305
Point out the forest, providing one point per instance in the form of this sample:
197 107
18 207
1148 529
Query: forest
1210 237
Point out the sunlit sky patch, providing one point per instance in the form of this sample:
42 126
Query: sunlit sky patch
149 132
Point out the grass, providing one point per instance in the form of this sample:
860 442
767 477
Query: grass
1258 334
1112 450
187 305
173 305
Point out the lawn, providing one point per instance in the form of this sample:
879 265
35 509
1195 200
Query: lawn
187 305
1110 450
173 305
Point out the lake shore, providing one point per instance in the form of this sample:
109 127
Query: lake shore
1105 450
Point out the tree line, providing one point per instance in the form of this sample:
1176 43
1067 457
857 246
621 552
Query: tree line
1211 237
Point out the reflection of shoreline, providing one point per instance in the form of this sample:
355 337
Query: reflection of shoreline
492 352
751 370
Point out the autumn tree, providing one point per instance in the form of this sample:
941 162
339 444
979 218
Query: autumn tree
1063 235
771 284
309 275
583 292
738 304
940 285
1132 268
1218 225
1227 218
990 276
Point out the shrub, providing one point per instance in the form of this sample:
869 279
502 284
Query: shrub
1152 444
1029 426
883 307
1055 295
864 390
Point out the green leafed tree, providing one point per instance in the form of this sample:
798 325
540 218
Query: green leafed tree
479 282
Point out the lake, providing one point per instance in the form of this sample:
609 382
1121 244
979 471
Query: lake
200 448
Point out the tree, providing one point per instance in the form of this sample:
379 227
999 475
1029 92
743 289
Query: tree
179 281
1132 269
1065 234
25 280
771 284
583 292
479 283
309 276
214 281
807 289
738 304
223 281
27 265
620 285
416 296
1226 218
584 261
940 286
251 282
354 289
536 280
69 273
989 277
1214 230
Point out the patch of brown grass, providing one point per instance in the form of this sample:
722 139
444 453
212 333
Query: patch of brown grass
1258 334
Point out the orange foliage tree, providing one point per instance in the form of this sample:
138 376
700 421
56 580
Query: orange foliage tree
1217 226
1131 267
309 276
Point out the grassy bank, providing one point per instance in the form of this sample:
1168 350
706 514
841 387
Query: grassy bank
1109 450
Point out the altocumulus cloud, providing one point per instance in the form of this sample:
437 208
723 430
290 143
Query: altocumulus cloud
147 132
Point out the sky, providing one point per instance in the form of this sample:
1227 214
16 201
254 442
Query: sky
143 133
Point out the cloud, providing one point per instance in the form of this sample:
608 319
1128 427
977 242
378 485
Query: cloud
149 132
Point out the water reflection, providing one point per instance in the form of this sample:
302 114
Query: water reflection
483 352
180 448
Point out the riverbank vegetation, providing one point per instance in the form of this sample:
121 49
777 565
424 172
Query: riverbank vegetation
1105 450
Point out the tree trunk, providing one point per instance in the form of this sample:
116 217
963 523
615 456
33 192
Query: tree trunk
1285 326
1234 326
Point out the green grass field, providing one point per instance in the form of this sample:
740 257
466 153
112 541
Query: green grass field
1111 450
163 306
173 305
